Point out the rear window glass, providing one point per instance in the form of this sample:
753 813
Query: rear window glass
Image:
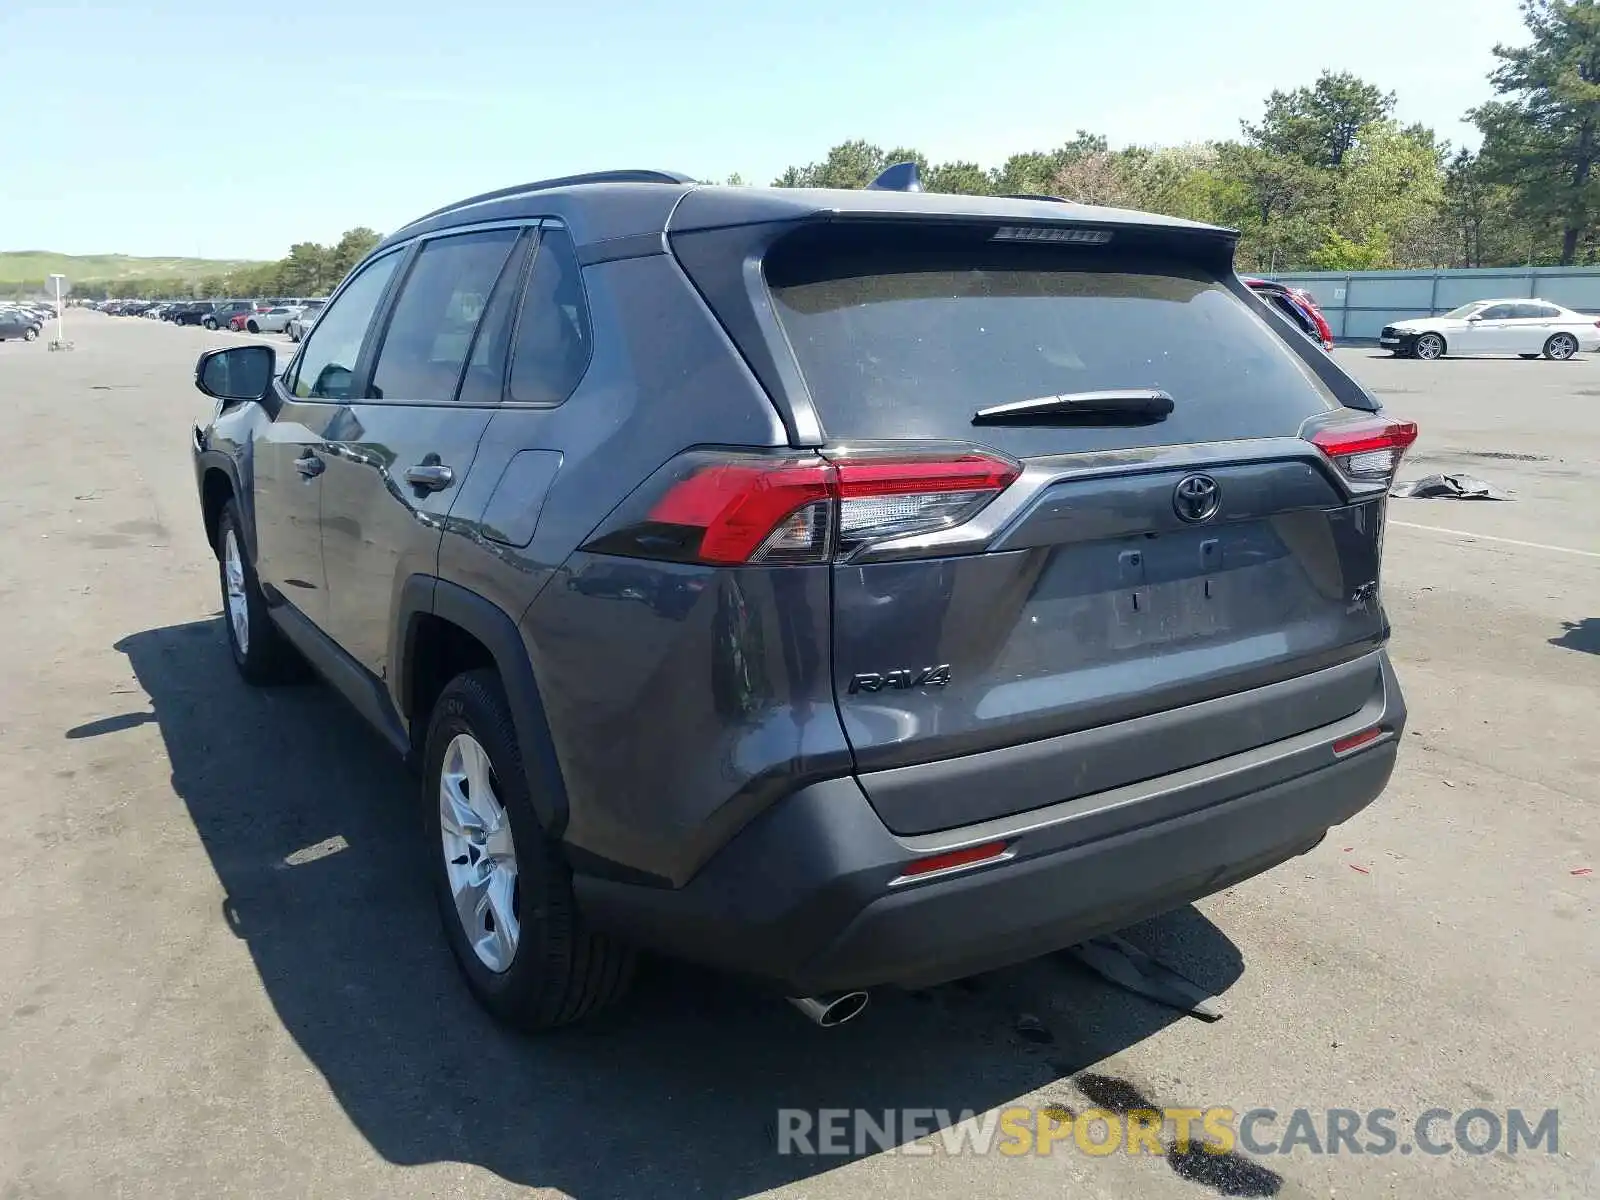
896 342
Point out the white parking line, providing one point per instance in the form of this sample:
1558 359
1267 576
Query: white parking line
1484 537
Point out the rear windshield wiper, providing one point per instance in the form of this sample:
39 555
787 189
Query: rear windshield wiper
1117 406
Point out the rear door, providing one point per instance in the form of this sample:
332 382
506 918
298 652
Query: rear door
399 452
1137 566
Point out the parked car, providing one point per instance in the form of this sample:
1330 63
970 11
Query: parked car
274 319
300 324
1297 306
222 313
194 313
1527 328
857 588
18 325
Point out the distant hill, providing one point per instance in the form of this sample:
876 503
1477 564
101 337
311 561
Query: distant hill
35 266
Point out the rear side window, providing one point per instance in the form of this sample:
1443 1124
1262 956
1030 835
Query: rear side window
440 303
553 332
895 341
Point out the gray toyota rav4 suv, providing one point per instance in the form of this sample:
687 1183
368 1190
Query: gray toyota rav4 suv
838 588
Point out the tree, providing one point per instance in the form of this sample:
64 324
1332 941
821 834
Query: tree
848 165
1096 177
1544 138
1477 216
351 248
1278 203
1387 190
962 178
306 271
1320 124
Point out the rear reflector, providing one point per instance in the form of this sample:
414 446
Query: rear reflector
1366 450
969 856
733 508
1357 740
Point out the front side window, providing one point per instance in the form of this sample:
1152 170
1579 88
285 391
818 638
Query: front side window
1499 312
553 332
328 362
439 307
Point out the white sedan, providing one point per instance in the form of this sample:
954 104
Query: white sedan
275 319
1526 327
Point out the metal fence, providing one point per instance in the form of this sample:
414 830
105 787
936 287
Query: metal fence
1359 304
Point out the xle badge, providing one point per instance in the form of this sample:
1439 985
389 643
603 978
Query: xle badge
903 679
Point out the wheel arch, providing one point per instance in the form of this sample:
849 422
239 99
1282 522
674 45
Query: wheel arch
443 628
219 483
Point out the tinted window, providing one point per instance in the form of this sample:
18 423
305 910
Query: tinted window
553 332
431 330
901 338
1543 311
328 360
1499 312
483 382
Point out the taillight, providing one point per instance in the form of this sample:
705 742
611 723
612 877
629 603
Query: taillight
1367 450
734 508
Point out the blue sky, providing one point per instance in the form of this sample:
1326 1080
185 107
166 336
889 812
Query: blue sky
231 128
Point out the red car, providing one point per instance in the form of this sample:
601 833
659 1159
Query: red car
1297 305
236 322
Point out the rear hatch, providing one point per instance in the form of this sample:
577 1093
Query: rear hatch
1162 563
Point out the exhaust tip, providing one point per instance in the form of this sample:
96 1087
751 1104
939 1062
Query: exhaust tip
829 1011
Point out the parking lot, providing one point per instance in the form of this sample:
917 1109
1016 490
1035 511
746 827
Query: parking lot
221 972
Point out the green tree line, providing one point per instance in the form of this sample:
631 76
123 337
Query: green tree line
308 269
1328 179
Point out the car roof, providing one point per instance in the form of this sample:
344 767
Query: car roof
611 205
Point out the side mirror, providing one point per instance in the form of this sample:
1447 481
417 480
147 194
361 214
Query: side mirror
1474 317
237 372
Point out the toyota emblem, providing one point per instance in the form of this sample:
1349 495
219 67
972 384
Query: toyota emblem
1196 498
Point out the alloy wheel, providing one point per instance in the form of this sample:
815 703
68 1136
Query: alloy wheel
238 603
480 857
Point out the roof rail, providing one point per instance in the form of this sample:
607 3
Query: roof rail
544 185
1035 196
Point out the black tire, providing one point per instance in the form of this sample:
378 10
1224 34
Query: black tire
1527 356
560 971
1560 346
210 324
252 327
30 334
266 657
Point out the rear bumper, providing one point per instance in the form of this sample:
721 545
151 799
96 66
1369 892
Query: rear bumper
802 898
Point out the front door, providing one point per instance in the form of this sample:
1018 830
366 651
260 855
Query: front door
288 497
291 458
1495 331
399 453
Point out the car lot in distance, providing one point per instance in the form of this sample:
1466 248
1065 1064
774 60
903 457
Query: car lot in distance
224 973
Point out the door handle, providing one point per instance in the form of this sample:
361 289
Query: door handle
430 476
309 465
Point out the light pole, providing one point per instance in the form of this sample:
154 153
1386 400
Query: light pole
61 342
